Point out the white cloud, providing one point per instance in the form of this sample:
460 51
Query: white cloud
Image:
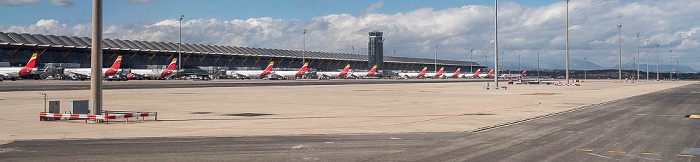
62 2
371 9
523 31
18 2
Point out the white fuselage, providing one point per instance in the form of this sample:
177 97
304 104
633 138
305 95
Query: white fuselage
433 75
151 73
360 74
467 75
13 72
252 74
286 74
331 74
85 71
410 75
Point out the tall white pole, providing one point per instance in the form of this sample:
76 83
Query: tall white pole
670 60
657 62
471 59
638 58
495 43
303 52
179 51
647 54
435 59
567 41
619 72
96 59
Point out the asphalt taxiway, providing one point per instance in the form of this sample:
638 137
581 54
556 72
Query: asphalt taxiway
650 127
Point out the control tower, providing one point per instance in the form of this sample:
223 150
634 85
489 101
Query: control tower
376 50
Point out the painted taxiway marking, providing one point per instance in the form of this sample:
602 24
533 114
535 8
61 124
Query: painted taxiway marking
683 155
657 115
693 116
619 152
649 153
584 150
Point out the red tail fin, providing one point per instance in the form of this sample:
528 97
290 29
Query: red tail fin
490 73
269 66
115 67
117 63
477 73
522 74
422 72
456 72
372 71
440 72
168 71
345 71
28 68
302 71
32 62
171 66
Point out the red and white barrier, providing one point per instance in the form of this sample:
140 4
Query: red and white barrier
99 117
129 115
71 116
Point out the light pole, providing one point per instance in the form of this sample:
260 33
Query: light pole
435 59
538 66
670 60
519 69
96 59
633 65
179 52
657 62
303 52
584 70
495 42
567 41
471 59
619 71
647 54
638 58
394 52
677 73
353 49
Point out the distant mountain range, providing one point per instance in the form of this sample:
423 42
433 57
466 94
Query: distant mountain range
576 64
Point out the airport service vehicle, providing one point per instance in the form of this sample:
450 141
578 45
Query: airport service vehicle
454 75
435 75
254 74
83 73
291 74
154 73
513 75
13 73
470 75
365 74
414 75
486 75
334 74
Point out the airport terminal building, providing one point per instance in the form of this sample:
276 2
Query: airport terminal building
16 48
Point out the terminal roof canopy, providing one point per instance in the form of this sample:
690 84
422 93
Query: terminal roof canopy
51 41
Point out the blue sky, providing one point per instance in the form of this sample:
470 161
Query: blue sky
124 12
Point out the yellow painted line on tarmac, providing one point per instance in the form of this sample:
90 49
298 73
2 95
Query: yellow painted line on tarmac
586 150
619 152
683 155
649 153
